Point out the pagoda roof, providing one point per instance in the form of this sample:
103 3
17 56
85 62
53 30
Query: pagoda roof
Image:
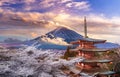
92 40
107 73
97 61
93 49
89 40
99 72
74 49
90 49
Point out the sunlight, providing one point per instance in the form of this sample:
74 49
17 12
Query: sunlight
33 34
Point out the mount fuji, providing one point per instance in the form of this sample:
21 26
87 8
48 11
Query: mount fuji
60 39
64 33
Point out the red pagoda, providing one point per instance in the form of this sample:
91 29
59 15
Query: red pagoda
94 61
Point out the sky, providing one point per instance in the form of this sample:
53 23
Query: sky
32 18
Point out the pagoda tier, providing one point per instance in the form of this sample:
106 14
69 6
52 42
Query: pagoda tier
88 40
89 53
94 50
91 67
89 50
91 64
97 61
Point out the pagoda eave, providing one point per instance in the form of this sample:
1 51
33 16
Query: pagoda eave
96 61
89 50
94 41
105 73
93 50
74 50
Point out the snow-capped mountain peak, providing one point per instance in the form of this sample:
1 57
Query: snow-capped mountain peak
64 33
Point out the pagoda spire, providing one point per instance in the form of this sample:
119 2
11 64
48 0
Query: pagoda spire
85 28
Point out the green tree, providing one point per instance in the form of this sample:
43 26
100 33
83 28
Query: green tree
67 53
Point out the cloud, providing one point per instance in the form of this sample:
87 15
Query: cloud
64 1
83 5
47 3
29 1
10 19
42 5
52 20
